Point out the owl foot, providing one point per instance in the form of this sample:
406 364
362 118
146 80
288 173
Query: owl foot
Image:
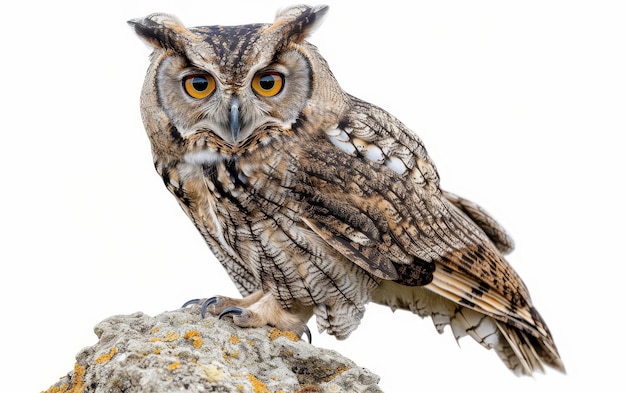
243 314
255 310
216 304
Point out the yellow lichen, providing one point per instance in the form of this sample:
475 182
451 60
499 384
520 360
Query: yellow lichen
250 342
195 336
234 339
191 334
340 370
105 357
276 333
171 336
79 374
155 330
258 386
56 389
228 355
174 366
77 385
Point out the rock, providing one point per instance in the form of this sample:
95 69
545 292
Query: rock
179 351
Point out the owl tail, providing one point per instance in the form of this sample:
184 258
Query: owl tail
524 353
520 351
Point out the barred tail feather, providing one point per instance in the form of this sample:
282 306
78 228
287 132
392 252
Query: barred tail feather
517 352
516 349
525 353
522 352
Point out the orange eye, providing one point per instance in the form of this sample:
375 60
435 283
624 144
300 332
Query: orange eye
268 84
199 86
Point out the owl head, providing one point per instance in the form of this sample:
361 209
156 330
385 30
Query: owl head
218 91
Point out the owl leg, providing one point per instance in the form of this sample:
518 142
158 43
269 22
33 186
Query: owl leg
256 310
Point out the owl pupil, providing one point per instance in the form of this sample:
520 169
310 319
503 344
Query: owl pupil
200 83
267 82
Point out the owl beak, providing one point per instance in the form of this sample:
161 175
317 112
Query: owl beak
234 118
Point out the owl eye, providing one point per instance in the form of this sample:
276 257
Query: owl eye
199 86
268 84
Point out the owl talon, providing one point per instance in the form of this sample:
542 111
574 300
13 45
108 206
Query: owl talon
206 304
190 302
237 311
307 332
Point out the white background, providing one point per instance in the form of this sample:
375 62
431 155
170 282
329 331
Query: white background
520 104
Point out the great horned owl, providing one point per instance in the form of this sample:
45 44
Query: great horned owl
316 202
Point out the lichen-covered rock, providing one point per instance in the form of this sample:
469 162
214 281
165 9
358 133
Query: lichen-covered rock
180 351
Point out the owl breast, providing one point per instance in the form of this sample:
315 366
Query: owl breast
249 212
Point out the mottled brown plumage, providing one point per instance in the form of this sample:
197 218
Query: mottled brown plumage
316 202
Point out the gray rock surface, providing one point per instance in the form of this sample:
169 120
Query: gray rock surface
178 351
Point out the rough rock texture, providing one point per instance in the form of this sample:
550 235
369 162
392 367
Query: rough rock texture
179 351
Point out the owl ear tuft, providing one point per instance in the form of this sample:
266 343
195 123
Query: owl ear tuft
298 22
161 31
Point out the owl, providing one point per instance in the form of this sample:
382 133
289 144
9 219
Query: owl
316 202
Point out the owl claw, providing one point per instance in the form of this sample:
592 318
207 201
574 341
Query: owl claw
307 332
206 304
219 303
190 302
231 310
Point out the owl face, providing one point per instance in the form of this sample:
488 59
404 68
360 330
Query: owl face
224 90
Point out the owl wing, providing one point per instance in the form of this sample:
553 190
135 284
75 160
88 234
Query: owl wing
372 193
408 233
496 233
